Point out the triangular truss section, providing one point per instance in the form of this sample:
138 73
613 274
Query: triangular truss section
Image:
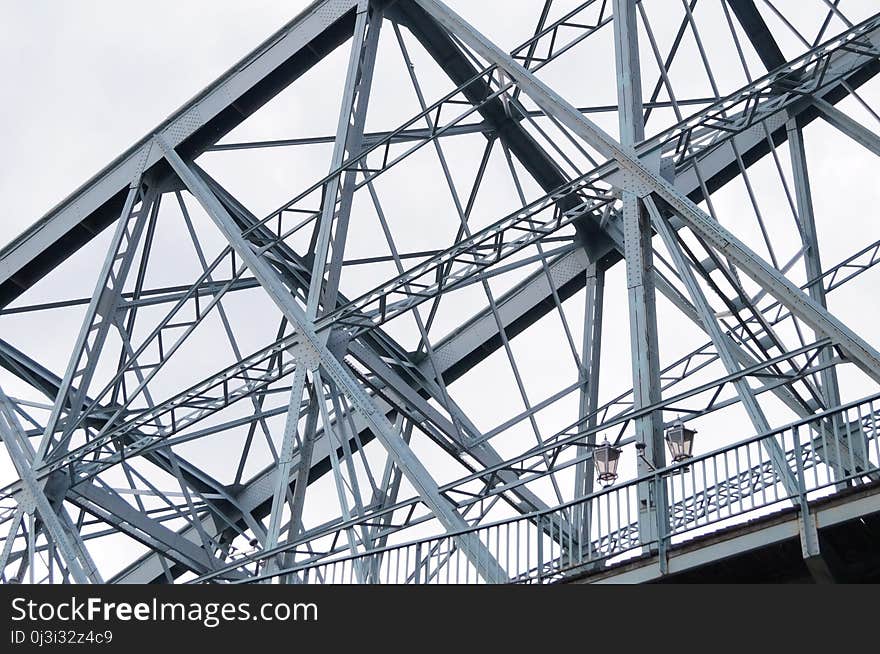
407 370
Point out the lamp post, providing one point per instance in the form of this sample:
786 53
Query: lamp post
606 457
680 441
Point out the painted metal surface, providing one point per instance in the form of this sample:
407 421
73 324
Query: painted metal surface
370 427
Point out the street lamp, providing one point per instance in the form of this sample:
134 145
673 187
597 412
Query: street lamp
680 441
606 457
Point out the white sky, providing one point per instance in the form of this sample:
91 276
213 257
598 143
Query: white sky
86 79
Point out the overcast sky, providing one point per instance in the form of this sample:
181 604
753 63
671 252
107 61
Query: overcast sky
85 79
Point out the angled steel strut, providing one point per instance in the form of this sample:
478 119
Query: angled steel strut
413 355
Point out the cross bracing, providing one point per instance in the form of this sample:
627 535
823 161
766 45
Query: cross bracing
415 339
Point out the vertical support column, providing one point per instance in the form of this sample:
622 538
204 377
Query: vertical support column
807 526
285 454
722 347
629 77
349 141
589 397
812 261
297 504
862 354
639 270
830 388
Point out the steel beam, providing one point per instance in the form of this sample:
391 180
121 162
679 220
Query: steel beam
349 142
114 510
852 128
812 261
284 465
33 498
47 383
638 253
100 316
499 326
862 354
371 350
721 342
469 442
505 120
414 470
758 33
588 400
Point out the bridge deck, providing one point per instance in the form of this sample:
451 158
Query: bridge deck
768 549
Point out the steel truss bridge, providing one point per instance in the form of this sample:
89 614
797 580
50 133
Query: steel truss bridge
406 369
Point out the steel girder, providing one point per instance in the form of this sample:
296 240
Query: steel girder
530 310
568 265
215 111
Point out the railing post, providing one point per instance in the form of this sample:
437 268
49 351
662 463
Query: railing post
662 524
417 579
807 527
586 532
799 466
539 523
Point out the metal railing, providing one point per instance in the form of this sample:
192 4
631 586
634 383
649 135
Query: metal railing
825 453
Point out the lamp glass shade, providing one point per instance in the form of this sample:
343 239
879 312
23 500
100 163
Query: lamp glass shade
680 441
606 457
